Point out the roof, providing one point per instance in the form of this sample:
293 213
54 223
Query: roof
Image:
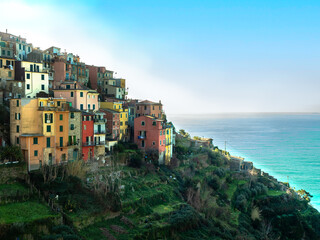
151 117
72 109
147 102
108 110
87 113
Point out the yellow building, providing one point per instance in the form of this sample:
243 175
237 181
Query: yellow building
40 127
169 143
7 68
117 106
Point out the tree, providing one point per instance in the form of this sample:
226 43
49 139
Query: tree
12 153
183 133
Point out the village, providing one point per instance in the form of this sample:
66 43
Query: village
62 109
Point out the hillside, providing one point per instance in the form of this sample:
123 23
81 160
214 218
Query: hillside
197 197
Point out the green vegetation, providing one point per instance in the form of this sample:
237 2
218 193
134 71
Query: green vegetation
24 212
196 197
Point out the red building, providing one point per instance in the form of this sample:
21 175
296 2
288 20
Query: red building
149 133
113 123
87 135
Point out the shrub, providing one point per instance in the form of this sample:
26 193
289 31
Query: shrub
135 160
214 183
220 172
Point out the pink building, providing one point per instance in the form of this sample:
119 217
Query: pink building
149 133
80 97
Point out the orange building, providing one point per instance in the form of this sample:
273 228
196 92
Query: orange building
40 127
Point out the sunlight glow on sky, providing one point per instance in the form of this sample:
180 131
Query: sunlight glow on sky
199 56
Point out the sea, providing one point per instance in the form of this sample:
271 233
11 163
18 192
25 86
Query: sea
287 146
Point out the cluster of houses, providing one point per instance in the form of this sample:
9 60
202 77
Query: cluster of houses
62 109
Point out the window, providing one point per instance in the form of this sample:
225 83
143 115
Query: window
137 107
38 70
31 68
8 53
81 94
20 46
61 141
18 128
28 75
153 143
142 123
89 106
29 49
0 63
68 86
48 142
167 131
121 123
160 142
154 123
93 106
160 134
3 52
42 76
114 123
85 127
72 127
24 47
81 106
42 86
61 128
72 115
17 103
48 118
48 128
9 74
28 86
71 93
18 140
35 153
58 103
35 140
145 107
142 143
61 117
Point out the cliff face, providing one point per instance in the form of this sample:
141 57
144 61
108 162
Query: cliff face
197 197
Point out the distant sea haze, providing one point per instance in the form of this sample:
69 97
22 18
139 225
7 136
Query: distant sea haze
286 145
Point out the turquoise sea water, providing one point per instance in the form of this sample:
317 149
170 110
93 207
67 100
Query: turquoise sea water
285 145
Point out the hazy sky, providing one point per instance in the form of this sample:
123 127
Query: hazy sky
196 56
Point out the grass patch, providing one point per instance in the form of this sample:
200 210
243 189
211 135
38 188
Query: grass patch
9 189
24 212
275 193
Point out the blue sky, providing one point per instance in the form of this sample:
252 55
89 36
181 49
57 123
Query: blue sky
208 56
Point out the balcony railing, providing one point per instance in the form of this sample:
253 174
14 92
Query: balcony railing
100 120
142 137
86 144
72 144
54 108
100 132
58 145
99 143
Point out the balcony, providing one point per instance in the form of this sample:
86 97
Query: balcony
100 132
72 144
87 144
99 143
58 145
62 108
100 120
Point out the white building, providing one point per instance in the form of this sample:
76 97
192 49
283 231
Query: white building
36 79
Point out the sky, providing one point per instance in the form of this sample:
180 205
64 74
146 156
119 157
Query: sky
195 56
